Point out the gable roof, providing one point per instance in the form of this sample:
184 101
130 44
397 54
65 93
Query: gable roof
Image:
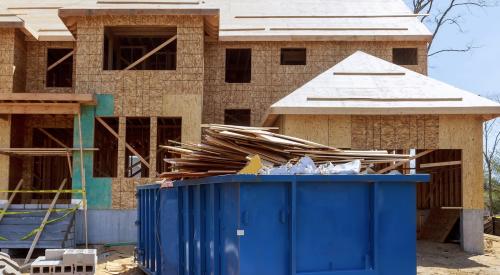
319 20
367 85
240 20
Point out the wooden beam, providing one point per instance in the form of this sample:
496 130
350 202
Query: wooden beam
397 164
82 98
11 198
126 144
60 60
153 51
39 108
440 164
42 225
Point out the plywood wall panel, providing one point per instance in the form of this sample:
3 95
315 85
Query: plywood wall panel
466 133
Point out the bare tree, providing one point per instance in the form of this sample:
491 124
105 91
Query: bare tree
491 147
438 14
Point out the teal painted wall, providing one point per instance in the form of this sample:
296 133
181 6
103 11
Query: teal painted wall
98 189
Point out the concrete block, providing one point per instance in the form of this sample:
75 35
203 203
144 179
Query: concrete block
80 257
472 231
54 254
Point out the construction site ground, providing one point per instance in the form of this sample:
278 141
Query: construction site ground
432 258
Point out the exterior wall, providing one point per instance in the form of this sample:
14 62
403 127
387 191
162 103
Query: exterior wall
7 40
36 76
272 81
176 93
462 132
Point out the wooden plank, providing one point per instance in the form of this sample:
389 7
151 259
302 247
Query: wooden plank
126 144
60 60
59 97
42 226
153 51
39 108
396 165
11 198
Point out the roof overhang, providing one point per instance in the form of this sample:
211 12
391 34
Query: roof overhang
44 103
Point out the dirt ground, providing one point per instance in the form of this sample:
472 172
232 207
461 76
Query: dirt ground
439 258
432 259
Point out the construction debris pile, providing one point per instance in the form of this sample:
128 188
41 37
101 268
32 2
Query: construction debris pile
226 149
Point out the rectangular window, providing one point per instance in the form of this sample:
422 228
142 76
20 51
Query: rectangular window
59 68
293 56
169 128
137 135
405 56
238 65
106 158
240 117
123 46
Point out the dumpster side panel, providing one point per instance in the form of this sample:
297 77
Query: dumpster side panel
169 231
396 228
264 228
333 226
229 217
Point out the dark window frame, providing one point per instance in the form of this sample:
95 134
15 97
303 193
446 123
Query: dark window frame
53 78
106 140
238 67
405 56
233 116
287 56
123 45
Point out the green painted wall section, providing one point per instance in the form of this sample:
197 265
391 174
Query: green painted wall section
98 189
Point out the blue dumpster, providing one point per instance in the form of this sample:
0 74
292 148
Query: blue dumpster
277 225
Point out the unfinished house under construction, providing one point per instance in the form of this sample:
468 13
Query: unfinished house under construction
90 89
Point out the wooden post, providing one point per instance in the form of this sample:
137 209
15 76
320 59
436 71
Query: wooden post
6 206
42 226
84 182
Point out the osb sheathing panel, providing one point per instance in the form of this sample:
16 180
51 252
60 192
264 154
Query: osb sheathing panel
37 66
7 41
19 62
394 132
272 81
332 130
466 133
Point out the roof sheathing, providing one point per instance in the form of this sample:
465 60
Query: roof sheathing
366 85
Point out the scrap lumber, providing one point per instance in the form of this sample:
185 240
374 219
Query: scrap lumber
11 198
226 149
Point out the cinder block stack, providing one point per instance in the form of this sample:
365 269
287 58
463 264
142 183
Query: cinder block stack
65 262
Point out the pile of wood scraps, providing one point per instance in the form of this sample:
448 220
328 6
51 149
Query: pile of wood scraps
226 149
